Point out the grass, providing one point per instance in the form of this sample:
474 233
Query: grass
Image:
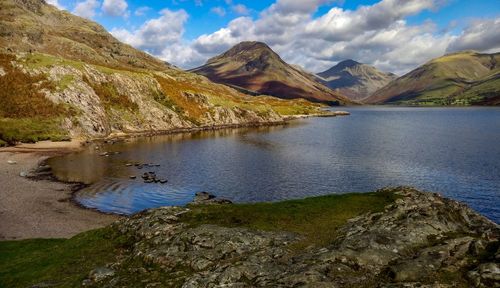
67 262
21 94
31 130
110 97
57 262
316 218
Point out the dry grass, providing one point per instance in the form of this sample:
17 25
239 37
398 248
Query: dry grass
173 93
21 96
109 96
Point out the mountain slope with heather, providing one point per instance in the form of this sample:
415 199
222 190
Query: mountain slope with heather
62 76
463 78
254 66
355 80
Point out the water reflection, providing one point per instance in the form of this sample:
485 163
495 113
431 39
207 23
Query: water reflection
454 151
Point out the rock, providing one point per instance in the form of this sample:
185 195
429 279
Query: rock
101 273
23 174
420 240
132 177
11 162
207 198
341 113
486 275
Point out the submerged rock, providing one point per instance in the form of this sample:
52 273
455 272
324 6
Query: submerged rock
421 240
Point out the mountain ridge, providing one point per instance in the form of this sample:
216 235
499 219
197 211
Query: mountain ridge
256 67
62 76
459 78
355 80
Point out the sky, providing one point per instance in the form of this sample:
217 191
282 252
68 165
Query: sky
393 35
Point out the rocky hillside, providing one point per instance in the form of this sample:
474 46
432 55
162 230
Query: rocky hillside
464 78
355 80
254 66
63 76
419 240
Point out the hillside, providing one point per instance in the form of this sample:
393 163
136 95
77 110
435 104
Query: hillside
355 80
464 78
63 77
256 67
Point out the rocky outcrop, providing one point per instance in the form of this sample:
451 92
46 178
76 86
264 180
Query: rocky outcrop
421 240
85 83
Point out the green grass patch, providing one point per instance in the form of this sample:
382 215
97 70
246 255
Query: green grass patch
57 262
30 130
317 218
67 262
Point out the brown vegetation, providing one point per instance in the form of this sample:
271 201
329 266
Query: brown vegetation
21 94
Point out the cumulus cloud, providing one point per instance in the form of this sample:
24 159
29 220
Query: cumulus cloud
117 8
86 8
481 35
375 34
156 35
218 10
56 3
240 9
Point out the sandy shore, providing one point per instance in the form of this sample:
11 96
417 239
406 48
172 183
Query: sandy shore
40 209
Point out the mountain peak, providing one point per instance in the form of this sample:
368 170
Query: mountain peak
354 79
348 63
246 51
255 67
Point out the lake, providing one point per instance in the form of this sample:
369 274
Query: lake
454 151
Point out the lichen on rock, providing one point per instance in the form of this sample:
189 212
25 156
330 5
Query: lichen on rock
420 240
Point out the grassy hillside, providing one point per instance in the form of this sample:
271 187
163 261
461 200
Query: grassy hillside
62 76
256 67
464 78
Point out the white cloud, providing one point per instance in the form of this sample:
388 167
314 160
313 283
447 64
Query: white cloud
218 10
56 3
156 35
240 9
86 8
482 35
371 34
116 8
377 34
141 11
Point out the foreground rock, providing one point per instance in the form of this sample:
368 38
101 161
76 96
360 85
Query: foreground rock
421 240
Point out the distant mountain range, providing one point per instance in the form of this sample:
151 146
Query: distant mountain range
256 68
355 80
463 78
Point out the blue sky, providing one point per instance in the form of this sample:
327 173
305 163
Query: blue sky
315 34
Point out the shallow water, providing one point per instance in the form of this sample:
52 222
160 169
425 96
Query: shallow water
455 151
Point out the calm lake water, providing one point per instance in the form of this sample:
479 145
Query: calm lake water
454 151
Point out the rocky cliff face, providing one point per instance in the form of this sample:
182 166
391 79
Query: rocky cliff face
421 240
355 80
70 77
254 66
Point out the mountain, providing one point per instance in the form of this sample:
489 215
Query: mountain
355 80
254 66
463 78
62 76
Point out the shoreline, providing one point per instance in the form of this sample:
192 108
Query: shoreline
46 208
41 208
